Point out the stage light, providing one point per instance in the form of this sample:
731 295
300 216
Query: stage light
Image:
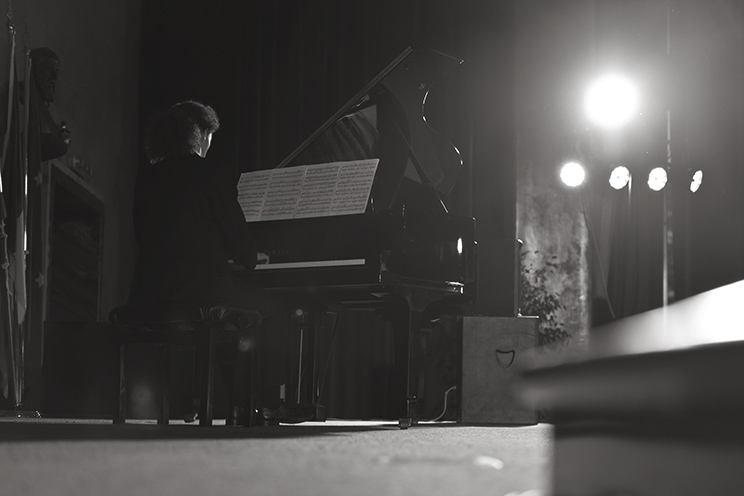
657 179
619 177
611 101
697 180
572 174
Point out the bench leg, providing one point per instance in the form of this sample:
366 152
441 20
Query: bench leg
193 407
207 354
164 406
250 407
120 411
253 383
236 393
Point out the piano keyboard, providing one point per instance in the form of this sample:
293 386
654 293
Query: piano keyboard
312 263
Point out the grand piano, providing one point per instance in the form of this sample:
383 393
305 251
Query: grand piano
406 254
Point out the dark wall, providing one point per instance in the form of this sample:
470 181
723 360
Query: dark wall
97 96
276 70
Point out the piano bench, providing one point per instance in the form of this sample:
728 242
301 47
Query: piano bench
204 328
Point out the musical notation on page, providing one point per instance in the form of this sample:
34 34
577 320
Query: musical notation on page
318 190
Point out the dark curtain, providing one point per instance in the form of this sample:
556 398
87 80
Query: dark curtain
701 82
629 237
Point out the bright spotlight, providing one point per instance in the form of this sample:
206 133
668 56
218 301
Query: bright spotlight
611 101
657 179
572 174
619 177
697 180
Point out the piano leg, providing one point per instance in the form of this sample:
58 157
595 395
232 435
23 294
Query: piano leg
419 302
412 368
323 341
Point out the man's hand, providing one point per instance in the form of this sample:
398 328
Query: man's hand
262 258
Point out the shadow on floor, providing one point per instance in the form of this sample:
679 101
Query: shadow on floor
29 430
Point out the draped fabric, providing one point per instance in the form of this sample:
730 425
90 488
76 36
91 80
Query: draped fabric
35 285
21 329
11 161
14 179
628 262
13 287
695 102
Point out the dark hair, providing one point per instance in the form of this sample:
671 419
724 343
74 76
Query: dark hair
176 131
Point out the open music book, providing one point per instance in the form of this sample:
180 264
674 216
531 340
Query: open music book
319 190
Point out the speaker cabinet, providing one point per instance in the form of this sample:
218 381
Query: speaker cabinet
493 348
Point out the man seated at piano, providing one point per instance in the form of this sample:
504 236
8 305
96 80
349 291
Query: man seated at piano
190 228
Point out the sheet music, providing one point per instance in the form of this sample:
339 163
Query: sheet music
252 192
353 187
282 194
319 190
317 196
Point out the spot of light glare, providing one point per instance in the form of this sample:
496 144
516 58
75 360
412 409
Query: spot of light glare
572 174
489 461
657 179
611 101
697 180
619 177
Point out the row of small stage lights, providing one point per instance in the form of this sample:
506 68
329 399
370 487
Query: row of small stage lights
573 174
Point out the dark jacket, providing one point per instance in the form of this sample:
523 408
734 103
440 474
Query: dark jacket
188 224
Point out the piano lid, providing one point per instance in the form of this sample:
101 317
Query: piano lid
386 120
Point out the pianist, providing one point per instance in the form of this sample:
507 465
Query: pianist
189 226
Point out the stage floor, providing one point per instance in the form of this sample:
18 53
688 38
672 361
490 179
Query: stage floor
91 456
